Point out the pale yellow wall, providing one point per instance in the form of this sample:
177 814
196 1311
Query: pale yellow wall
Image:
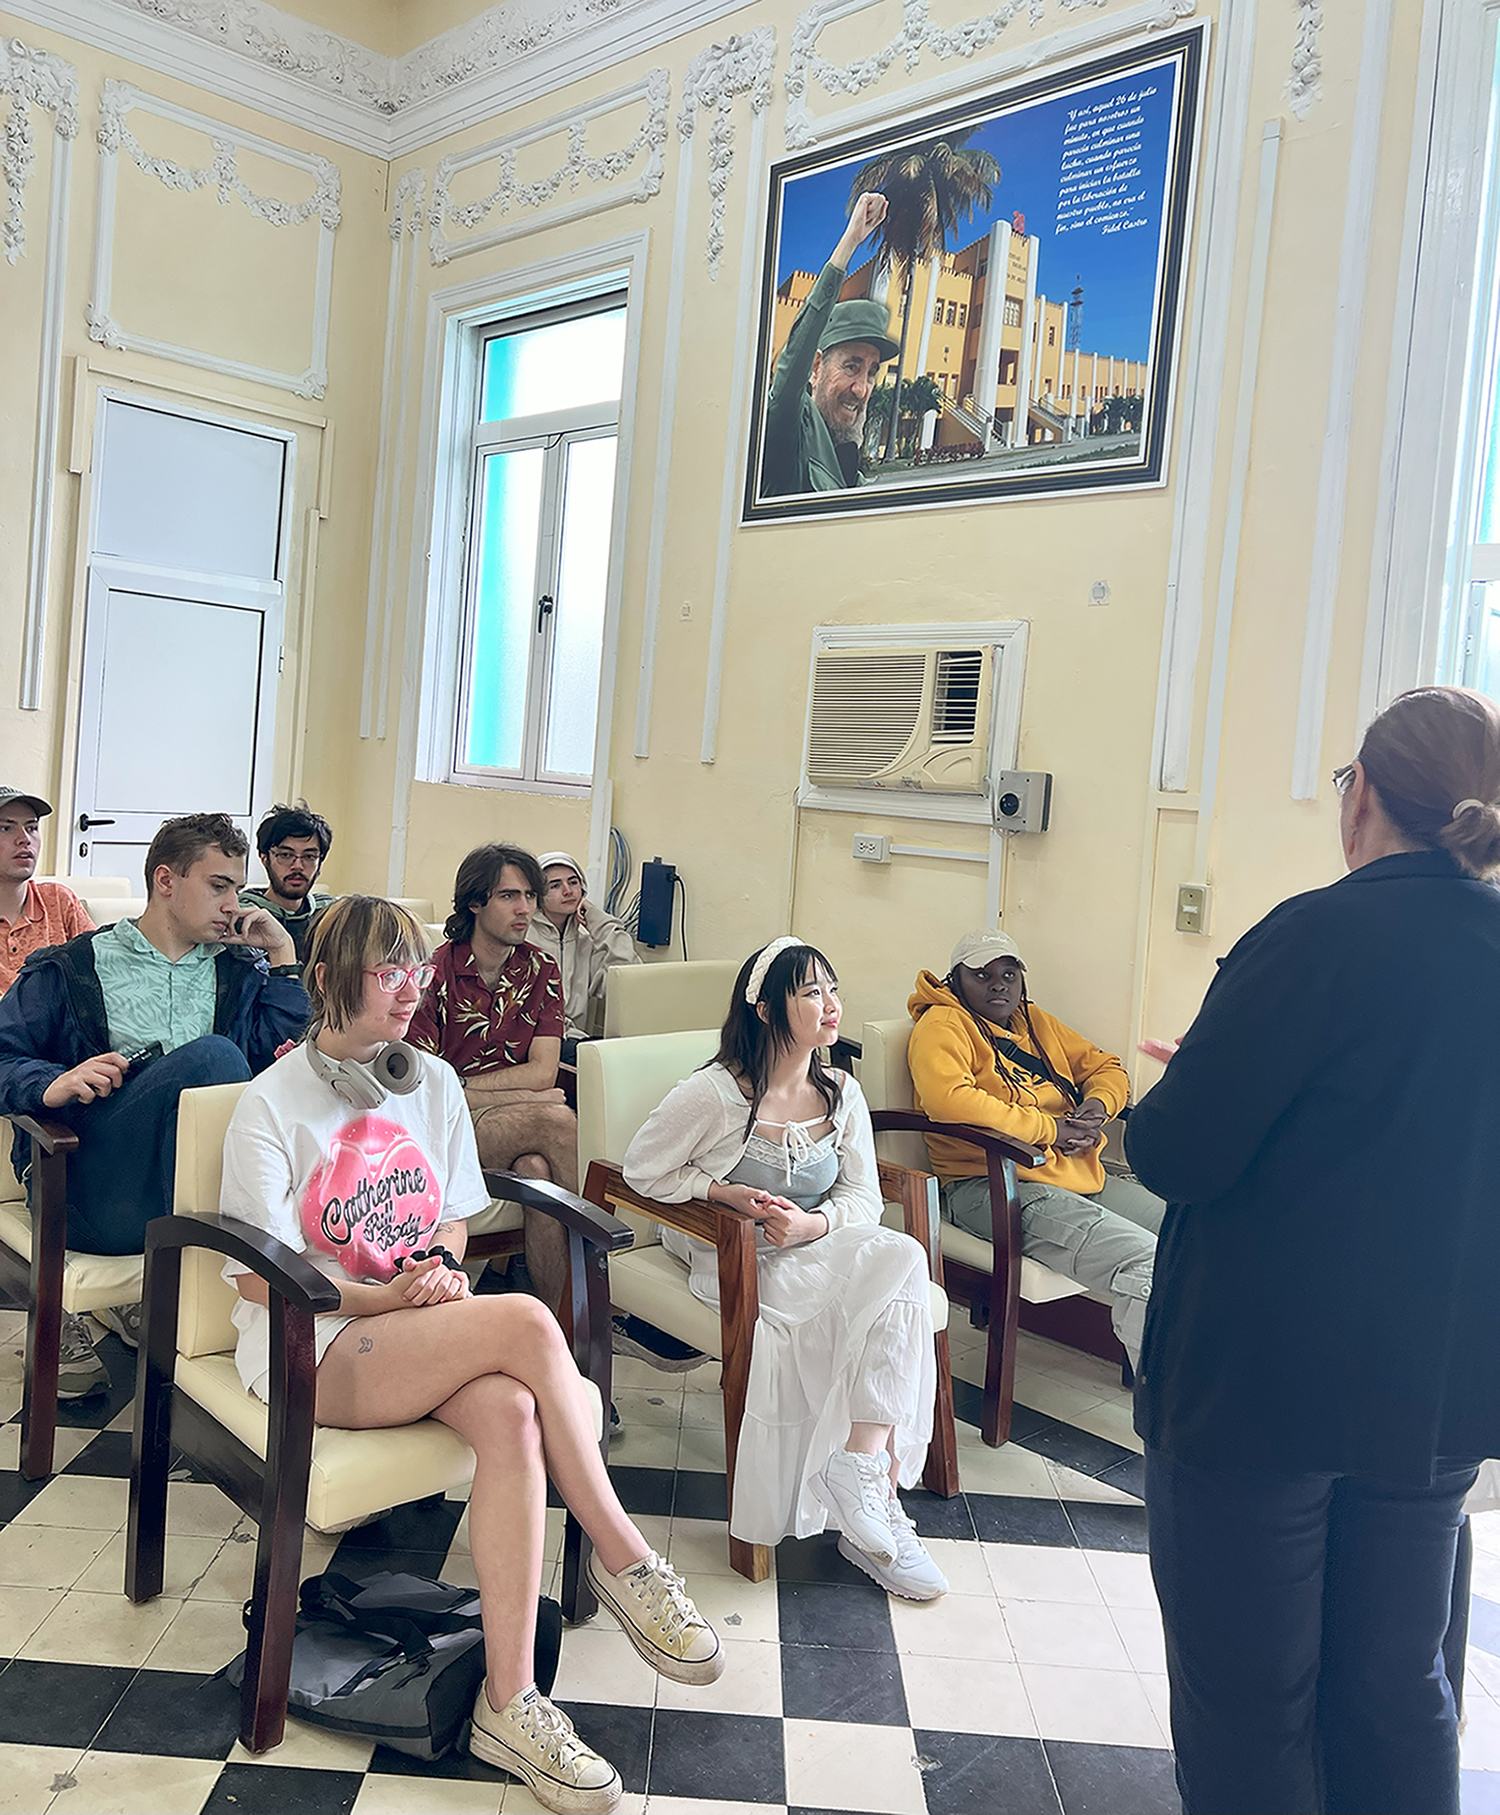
214 279
1091 902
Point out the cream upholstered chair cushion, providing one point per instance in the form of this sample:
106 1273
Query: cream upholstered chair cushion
354 1473
886 1080
619 1083
667 998
106 909
418 906
91 1282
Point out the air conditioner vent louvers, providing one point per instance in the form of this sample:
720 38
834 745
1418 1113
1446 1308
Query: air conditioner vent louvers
955 699
866 705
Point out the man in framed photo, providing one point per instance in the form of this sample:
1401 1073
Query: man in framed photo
820 390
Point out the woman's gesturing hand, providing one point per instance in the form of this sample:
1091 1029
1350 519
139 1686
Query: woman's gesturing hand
1161 1050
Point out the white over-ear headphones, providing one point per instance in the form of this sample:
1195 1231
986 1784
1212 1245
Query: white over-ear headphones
396 1070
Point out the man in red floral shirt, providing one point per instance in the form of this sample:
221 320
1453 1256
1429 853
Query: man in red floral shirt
494 1011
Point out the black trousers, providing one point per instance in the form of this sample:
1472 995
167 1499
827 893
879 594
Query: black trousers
1305 1617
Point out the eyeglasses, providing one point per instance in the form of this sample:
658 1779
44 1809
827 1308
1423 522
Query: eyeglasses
392 976
1343 779
283 854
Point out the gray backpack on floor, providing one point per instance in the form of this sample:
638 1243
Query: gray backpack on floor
397 1659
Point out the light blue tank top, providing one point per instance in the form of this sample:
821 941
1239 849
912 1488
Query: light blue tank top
806 1177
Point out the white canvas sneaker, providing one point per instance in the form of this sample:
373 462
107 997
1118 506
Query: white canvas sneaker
535 1742
857 1491
911 1573
650 1601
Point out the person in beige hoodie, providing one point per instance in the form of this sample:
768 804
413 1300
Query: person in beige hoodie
582 940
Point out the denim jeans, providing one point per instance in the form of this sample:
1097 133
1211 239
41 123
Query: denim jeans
1106 1242
1305 1617
121 1176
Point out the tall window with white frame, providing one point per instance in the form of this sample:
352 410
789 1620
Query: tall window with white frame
536 571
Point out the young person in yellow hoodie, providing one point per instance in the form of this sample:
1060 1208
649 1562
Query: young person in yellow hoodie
982 1053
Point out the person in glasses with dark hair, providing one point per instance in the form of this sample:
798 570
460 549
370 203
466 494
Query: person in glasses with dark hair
982 1052
293 844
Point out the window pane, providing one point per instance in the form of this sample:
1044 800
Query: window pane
578 635
1485 659
510 490
558 367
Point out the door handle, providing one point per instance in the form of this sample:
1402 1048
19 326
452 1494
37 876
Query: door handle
84 822
544 607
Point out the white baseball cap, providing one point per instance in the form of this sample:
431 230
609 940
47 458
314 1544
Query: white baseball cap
981 948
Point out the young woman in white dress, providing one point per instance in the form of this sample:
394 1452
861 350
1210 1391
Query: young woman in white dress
843 1371
372 1181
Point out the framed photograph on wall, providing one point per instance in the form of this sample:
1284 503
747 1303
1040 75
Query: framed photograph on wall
983 302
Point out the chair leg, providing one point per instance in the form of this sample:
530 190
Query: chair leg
278 1551
49 1233
739 1309
579 1602
151 1446
999 1378
940 1476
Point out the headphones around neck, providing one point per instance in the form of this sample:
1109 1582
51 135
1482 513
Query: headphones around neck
396 1070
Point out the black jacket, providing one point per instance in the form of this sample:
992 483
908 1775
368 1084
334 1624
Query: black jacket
1327 1286
53 1018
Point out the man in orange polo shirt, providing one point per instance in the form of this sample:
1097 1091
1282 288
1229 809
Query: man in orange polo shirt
32 914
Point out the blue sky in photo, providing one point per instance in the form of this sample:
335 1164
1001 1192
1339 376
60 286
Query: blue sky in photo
1117 270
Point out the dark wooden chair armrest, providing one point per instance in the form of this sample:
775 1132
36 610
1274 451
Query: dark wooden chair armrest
283 1269
578 1214
1021 1153
51 1137
695 1217
916 1193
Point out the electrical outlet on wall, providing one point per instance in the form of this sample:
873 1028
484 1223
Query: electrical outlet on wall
1192 908
872 847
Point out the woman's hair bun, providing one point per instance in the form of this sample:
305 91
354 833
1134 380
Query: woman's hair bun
1433 757
1472 838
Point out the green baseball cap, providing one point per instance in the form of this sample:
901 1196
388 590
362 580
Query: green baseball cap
862 320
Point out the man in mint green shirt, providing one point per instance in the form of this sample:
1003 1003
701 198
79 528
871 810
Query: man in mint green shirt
106 1031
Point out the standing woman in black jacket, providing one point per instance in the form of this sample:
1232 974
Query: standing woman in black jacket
1321 1367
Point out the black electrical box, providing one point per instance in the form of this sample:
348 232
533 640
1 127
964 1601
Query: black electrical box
658 881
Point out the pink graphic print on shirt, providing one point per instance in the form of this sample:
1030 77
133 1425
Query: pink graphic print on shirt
373 1201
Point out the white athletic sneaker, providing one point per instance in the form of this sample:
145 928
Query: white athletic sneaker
857 1491
650 1601
912 1574
535 1742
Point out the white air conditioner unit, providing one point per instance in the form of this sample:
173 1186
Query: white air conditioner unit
901 718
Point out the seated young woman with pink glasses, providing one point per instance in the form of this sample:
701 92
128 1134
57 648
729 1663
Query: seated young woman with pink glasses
359 1152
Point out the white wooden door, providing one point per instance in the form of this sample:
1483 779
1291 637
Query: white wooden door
182 638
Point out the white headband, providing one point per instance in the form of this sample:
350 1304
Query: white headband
763 964
1464 805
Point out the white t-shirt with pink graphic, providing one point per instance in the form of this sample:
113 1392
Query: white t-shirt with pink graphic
355 1191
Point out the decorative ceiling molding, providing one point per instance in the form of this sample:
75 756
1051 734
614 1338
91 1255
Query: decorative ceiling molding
1304 82
252 52
117 100
603 171
920 35
741 65
30 78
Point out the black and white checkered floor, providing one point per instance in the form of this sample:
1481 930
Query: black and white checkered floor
1034 1688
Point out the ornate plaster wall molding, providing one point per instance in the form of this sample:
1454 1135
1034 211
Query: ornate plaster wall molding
742 65
36 78
919 36
1304 82
120 99
577 164
30 78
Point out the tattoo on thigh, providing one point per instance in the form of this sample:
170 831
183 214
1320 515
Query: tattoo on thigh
366 1343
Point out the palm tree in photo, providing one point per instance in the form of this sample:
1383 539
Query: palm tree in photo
931 189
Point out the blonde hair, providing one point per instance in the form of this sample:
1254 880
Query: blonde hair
1433 757
357 933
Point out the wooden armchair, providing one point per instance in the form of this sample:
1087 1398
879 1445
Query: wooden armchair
273 1460
1003 1290
39 1269
620 1083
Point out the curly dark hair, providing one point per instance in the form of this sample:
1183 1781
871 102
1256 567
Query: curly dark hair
477 877
297 821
